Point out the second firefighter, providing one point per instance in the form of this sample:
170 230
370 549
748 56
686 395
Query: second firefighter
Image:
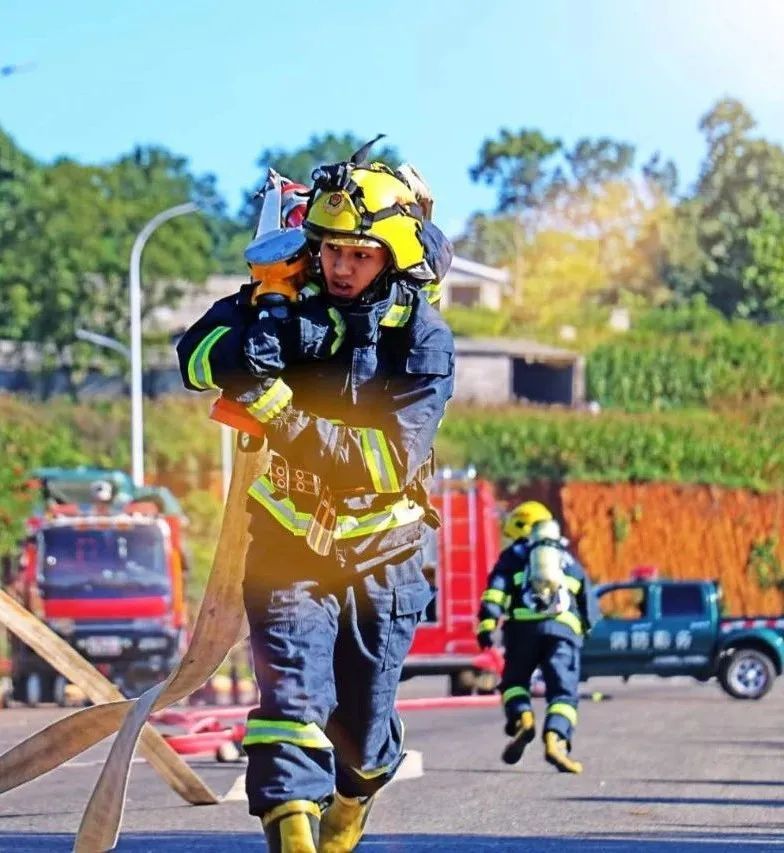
543 598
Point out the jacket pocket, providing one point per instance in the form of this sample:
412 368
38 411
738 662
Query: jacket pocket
429 362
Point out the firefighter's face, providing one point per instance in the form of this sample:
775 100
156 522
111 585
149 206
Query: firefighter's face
350 270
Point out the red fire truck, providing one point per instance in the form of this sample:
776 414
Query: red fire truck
108 578
459 557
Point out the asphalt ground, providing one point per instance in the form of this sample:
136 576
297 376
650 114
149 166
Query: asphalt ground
670 766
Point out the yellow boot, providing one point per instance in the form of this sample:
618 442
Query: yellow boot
343 823
525 731
292 827
556 752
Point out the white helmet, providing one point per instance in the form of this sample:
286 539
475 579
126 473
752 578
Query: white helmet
102 490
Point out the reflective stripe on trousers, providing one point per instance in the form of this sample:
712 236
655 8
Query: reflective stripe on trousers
307 735
564 710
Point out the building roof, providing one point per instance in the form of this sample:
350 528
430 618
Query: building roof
466 269
515 348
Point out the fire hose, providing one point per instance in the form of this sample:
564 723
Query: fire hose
99 689
279 261
218 627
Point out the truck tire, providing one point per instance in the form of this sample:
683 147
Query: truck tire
486 682
228 753
33 689
462 682
746 674
6 692
58 690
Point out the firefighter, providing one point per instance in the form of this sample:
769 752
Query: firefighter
544 598
515 532
350 389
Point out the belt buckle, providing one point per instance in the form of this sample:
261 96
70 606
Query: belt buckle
321 530
279 472
304 482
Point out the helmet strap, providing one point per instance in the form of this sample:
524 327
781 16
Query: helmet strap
337 177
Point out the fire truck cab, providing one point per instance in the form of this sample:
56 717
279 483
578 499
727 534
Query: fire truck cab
106 573
458 559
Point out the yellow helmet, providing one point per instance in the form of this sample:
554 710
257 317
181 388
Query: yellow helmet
521 519
372 204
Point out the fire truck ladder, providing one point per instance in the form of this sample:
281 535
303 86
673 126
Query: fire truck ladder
459 552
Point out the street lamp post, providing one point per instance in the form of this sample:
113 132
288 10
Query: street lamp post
134 281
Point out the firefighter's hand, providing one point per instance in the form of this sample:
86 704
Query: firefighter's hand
484 639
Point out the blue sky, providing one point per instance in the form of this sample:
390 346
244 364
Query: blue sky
220 81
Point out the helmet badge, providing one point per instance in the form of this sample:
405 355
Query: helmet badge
335 203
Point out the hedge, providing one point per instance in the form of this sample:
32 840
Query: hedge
684 358
516 445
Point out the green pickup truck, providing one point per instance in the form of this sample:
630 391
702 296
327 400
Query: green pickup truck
666 628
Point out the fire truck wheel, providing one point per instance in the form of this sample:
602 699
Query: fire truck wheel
228 753
6 692
59 691
33 689
486 682
462 683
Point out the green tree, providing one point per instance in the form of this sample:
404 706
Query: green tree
518 166
662 174
763 278
741 183
574 224
298 164
21 181
67 232
596 161
488 239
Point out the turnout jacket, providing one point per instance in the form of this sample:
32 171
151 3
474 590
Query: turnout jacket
508 596
350 397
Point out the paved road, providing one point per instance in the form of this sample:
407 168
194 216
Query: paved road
670 767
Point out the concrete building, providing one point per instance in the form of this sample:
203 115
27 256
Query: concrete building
491 371
473 285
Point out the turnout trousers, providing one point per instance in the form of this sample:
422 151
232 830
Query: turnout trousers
526 647
328 636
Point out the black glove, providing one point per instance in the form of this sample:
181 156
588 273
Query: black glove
484 639
306 332
314 332
263 355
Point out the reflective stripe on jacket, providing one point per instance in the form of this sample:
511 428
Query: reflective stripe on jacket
509 578
210 352
362 419
285 512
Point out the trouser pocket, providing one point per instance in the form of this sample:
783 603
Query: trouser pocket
386 617
408 603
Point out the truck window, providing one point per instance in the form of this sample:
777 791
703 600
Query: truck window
683 599
627 602
103 563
